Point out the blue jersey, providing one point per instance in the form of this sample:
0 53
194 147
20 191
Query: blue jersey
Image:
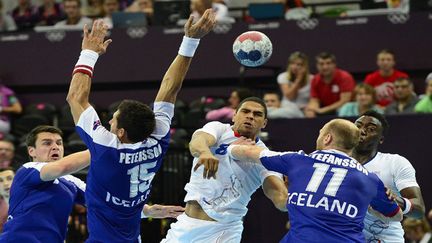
39 210
120 175
329 194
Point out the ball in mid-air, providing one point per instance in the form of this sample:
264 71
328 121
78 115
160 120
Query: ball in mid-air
252 48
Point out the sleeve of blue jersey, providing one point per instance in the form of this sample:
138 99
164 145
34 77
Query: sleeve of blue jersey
381 203
164 112
275 161
29 174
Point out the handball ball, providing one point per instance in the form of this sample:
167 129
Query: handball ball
252 48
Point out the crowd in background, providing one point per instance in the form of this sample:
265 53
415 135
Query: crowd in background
73 14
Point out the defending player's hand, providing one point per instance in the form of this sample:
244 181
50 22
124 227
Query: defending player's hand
160 211
390 194
243 141
94 40
203 26
211 165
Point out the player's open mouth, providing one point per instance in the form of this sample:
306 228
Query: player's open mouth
248 124
55 156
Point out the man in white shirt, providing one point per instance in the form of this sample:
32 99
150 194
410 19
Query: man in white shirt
394 170
218 192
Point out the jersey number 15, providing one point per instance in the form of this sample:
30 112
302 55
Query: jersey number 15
140 179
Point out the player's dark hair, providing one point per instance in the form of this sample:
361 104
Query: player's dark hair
137 119
256 100
386 51
326 55
32 135
379 117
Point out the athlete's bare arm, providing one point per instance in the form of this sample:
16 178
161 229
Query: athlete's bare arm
67 165
173 79
417 203
199 147
274 188
79 89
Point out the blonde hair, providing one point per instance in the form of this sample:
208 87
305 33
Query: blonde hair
293 57
347 135
368 89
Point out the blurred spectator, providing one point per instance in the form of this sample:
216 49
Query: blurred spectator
296 80
198 7
25 15
365 98
405 98
109 7
383 78
275 110
6 178
7 154
294 9
9 103
50 13
6 21
430 215
425 104
94 9
331 87
144 6
74 18
227 113
417 230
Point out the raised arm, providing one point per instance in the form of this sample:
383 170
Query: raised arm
274 188
199 147
67 165
93 45
173 79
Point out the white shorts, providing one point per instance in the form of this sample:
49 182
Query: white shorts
190 230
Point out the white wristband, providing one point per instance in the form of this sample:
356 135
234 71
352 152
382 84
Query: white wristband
408 206
188 46
86 62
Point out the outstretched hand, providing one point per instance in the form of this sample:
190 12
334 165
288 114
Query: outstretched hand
202 27
211 165
94 39
160 211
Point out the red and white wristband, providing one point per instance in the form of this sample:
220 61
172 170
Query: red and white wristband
86 62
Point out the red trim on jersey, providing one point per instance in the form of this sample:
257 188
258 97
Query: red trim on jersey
393 213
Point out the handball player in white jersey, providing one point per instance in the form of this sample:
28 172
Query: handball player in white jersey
395 171
220 189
